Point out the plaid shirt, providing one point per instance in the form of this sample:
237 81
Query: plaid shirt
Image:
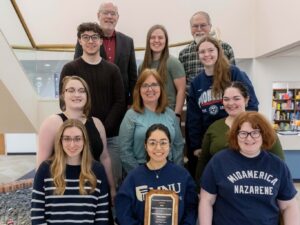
191 63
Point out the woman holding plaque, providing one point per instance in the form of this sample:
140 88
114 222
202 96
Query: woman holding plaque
158 174
246 184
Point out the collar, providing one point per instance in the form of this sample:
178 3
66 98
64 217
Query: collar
111 37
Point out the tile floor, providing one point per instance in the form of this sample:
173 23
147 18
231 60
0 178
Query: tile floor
14 167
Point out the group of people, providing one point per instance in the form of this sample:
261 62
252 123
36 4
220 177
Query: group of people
118 134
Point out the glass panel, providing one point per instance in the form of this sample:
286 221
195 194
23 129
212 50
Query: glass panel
43 69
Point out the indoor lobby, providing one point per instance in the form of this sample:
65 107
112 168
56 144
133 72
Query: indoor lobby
37 38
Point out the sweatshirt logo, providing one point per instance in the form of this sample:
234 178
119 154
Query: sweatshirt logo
208 103
142 190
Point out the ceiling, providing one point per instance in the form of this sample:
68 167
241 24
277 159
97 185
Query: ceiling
57 20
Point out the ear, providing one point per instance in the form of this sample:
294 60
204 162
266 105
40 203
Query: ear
79 41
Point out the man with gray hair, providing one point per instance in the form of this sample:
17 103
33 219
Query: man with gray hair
117 47
200 24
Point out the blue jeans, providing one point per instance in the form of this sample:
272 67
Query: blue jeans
116 164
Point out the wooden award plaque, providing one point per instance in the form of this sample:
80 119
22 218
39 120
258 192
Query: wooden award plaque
161 207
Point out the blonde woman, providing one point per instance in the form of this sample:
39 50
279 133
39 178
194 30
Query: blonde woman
70 187
76 104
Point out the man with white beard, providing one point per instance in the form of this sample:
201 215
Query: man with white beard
200 24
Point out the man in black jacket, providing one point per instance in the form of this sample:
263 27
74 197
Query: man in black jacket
116 48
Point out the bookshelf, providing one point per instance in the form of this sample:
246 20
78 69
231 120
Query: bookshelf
286 107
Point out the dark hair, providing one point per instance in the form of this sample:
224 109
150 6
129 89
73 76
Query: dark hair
222 75
89 27
138 104
157 126
148 58
257 121
240 86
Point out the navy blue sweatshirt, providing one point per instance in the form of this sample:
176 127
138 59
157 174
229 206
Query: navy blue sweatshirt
203 109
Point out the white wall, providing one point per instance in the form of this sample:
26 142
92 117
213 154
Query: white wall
268 70
20 143
55 21
276 24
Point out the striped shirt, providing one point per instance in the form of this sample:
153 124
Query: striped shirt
71 207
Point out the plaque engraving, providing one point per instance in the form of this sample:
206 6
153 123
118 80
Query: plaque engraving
161 207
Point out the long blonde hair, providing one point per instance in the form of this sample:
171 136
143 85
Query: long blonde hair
59 161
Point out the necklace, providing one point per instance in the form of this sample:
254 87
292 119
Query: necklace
154 170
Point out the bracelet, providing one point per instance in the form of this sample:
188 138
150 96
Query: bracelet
178 115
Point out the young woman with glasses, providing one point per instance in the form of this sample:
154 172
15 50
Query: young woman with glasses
70 187
156 173
246 184
149 107
76 104
235 101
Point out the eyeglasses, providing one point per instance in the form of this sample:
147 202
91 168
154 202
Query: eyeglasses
76 140
87 38
199 26
244 134
107 12
153 143
72 90
154 86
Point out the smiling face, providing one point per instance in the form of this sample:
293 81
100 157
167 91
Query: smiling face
157 41
75 96
108 18
199 26
208 54
72 143
89 43
150 91
234 102
249 146
158 147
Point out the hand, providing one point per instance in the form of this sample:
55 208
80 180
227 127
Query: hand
197 152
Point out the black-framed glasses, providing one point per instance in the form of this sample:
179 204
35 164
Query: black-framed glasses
107 12
72 90
200 26
154 143
244 134
153 86
68 140
87 38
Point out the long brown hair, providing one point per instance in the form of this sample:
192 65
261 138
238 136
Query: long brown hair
87 107
59 161
222 75
148 58
138 104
